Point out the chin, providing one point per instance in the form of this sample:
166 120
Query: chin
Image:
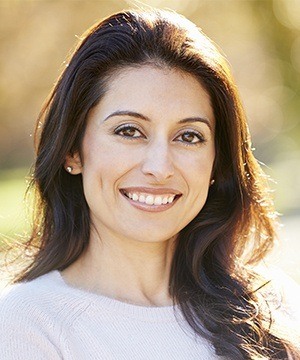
152 237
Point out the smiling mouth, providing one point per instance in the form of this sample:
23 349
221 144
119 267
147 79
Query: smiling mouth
150 199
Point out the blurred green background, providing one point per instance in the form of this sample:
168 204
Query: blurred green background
261 40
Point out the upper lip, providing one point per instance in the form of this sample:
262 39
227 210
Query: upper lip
154 191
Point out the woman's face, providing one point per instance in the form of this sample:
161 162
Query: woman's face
150 138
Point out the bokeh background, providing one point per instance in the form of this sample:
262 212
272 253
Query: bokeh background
261 39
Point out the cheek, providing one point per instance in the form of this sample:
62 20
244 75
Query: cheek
97 153
198 169
104 164
197 173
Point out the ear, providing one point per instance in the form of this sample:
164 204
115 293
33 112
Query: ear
73 164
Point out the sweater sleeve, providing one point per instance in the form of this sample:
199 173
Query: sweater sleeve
23 333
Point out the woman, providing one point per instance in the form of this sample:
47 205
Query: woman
151 208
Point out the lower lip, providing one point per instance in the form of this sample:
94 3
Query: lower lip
150 208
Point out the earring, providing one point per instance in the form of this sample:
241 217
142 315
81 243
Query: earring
212 182
69 169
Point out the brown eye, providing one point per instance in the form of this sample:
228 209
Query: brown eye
191 138
188 137
128 131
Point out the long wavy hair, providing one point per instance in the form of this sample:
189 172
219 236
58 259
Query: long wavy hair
211 278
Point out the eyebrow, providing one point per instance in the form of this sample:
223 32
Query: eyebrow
143 117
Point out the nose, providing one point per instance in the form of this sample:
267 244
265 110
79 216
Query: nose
158 162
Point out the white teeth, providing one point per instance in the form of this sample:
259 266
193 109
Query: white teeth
165 200
151 199
158 200
170 199
134 197
142 198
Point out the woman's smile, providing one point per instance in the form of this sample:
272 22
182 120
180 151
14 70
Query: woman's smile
150 202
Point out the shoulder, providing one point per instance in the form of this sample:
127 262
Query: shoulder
25 300
27 294
281 291
281 296
39 300
30 326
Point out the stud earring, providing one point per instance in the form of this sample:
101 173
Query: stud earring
69 169
212 182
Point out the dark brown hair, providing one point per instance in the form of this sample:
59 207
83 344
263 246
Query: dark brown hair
209 276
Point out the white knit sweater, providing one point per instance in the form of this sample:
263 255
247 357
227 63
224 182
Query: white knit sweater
46 319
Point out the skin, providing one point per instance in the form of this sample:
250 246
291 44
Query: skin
129 246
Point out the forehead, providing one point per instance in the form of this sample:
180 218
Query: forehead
156 92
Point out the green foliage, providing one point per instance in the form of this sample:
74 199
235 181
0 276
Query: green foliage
12 203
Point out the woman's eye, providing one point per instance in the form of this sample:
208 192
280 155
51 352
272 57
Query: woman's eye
191 138
128 131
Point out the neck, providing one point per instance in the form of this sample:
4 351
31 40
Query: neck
127 270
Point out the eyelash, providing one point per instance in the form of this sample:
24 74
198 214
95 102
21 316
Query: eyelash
131 127
118 130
